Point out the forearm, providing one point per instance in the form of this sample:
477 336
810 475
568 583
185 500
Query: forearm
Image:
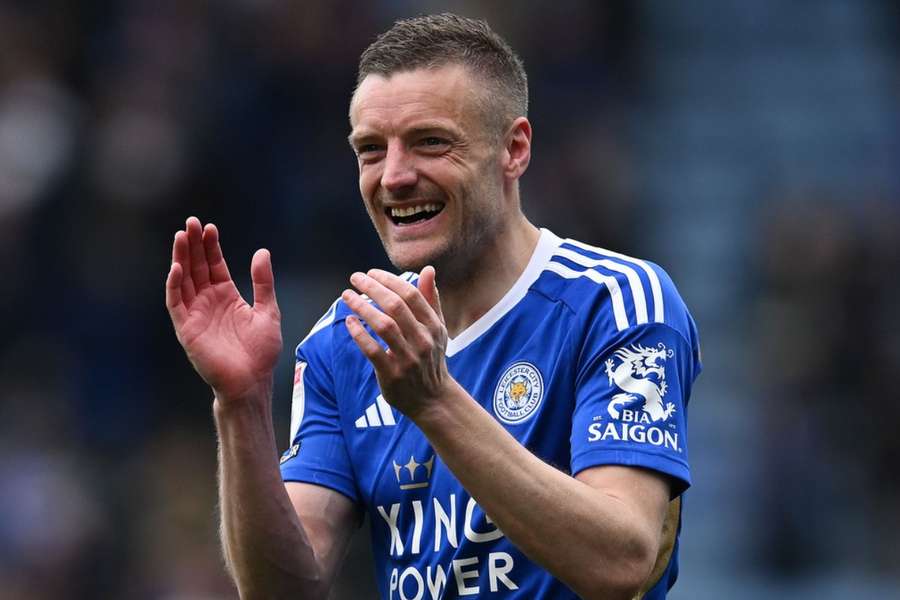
265 546
589 539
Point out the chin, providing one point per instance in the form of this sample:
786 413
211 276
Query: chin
415 259
405 263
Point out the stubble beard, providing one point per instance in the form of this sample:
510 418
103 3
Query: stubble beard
458 259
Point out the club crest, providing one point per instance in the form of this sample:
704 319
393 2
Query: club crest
519 393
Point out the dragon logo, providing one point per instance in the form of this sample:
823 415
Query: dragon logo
640 373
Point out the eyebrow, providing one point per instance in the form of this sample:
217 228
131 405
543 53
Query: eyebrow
350 140
355 138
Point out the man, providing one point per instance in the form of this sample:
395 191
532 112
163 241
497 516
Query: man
519 435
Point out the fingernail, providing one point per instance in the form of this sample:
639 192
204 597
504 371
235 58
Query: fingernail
357 278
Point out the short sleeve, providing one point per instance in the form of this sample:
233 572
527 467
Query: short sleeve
631 402
318 452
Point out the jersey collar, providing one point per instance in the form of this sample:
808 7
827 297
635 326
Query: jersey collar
547 244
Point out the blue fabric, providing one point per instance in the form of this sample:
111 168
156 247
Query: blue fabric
576 384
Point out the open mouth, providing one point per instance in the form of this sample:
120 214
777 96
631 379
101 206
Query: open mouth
407 215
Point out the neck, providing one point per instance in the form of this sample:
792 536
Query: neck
489 276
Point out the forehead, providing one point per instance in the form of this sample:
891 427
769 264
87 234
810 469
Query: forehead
442 94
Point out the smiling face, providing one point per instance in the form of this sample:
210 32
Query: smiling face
430 170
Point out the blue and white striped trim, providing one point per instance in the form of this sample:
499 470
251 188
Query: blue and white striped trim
634 281
612 283
615 292
655 286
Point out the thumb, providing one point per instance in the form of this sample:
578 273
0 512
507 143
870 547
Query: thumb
428 288
263 281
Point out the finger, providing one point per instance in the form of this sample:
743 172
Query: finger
199 266
388 301
263 282
218 268
428 288
181 256
177 309
418 305
382 324
371 349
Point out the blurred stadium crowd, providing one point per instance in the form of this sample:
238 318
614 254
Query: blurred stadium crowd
752 149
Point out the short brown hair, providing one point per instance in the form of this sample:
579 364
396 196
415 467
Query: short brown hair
433 41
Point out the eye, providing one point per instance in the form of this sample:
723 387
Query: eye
367 148
433 143
368 153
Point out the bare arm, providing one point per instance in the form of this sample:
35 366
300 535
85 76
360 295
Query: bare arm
599 532
278 542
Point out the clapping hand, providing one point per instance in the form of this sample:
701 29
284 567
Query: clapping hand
232 345
412 371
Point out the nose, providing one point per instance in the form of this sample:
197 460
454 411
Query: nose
399 169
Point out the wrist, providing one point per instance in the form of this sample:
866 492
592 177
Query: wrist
440 410
256 396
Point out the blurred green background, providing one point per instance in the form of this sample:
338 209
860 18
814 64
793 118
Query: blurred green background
750 148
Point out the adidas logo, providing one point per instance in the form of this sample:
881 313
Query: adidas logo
378 414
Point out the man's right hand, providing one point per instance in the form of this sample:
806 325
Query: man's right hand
232 345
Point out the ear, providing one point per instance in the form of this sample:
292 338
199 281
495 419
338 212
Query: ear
517 149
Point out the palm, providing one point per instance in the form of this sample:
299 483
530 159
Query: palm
232 345
227 340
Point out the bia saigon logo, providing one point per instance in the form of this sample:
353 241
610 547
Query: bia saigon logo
519 393
640 373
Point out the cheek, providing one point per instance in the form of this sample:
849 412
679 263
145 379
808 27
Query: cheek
368 184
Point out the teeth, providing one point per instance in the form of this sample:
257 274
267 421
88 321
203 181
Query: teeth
412 210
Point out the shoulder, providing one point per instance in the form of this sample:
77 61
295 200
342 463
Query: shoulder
618 290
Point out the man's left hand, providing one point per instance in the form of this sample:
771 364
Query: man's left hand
412 371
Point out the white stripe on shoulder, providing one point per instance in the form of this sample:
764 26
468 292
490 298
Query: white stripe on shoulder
634 281
326 320
615 292
658 309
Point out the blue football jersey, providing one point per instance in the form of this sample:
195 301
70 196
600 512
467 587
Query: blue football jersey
587 360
